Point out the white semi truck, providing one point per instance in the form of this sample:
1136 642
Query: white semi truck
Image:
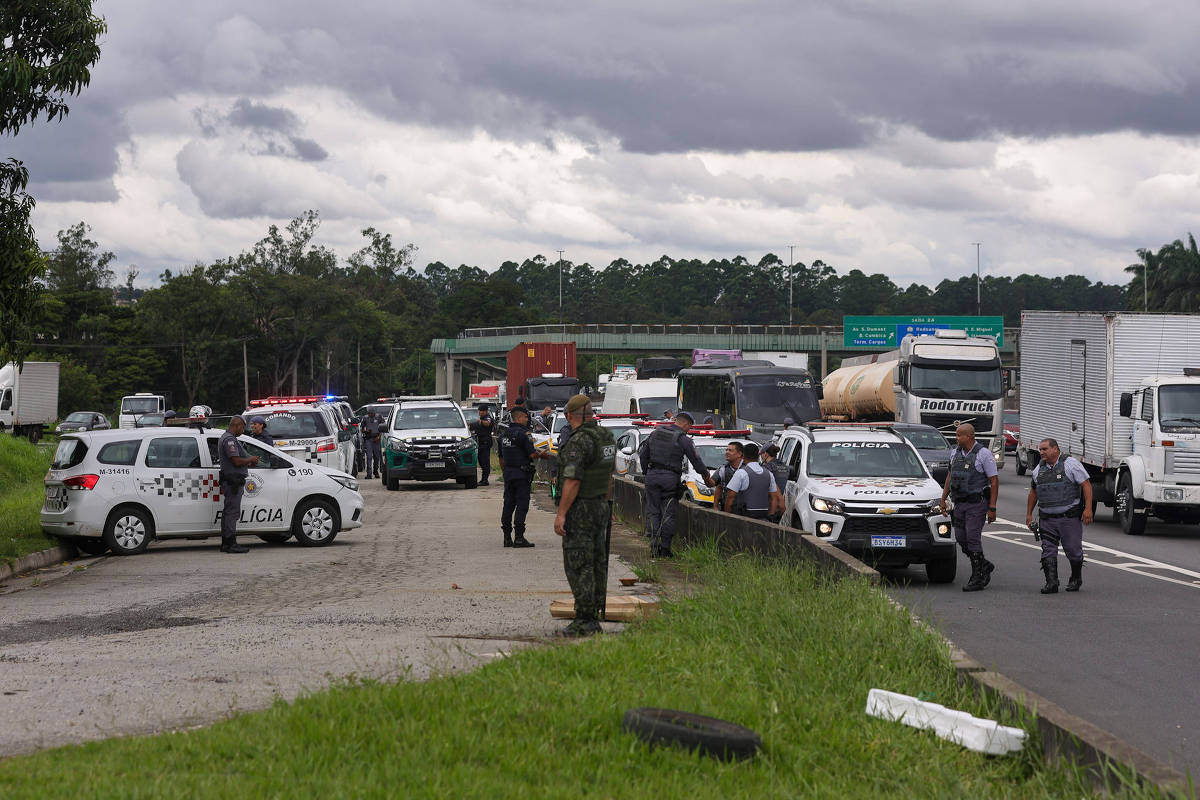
944 380
28 398
1121 393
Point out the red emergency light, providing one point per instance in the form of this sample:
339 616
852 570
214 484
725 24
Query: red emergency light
658 423
723 433
620 416
275 401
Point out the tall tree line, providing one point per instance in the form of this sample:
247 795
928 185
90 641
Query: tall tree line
310 321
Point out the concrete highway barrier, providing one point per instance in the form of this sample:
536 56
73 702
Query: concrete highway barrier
1063 735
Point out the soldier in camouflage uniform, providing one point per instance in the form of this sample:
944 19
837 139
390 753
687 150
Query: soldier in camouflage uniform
584 486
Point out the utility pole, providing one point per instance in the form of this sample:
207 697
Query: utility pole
978 306
358 373
791 248
245 374
560 252
1145 283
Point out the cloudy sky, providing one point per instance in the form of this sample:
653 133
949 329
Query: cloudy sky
868 133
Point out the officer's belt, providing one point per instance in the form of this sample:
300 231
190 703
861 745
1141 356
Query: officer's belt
1076 511
969 498
668 469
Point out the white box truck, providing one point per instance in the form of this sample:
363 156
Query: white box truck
28 398
1121 393
943 380
133 406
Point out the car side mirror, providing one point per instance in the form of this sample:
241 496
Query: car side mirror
820 391
1126 404
345 436
356 420
902 376
627 450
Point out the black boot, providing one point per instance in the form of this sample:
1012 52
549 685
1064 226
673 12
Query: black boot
1076 579
977 581
508 542
1050 568
985 571
231 546
521 541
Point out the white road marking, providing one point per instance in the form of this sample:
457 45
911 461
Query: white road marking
1126 562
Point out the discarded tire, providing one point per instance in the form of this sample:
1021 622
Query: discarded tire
713 737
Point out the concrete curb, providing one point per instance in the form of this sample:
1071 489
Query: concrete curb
42 558
1063 735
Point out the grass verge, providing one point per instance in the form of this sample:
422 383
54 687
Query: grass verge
771 646
22 468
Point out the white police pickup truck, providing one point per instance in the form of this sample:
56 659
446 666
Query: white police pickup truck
117 490
865 489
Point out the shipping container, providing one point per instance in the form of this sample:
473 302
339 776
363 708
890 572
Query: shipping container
533 359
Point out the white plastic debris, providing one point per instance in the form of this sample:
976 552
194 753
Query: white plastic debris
980 735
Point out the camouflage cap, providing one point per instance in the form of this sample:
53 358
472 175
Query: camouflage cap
577 403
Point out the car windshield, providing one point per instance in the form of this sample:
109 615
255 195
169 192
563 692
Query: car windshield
79 416
619 430
774 398
70 453
1179 406
925 440
863 460
560 422
957 382
139 405
296 425
713 455
653 407
1012 417
409 419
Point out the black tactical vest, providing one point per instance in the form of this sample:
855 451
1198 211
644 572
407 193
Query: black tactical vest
664 449
1055 489
966 479
756 496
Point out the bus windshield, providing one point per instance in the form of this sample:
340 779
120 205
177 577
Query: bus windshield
957 382
773 398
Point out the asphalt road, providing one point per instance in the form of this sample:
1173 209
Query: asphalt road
1123 652
184 635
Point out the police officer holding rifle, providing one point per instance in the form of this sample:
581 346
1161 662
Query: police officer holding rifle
1062 490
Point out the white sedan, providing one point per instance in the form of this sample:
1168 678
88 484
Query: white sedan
119 489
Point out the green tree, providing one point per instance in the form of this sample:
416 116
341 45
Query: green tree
47 49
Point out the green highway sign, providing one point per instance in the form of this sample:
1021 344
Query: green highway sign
886 332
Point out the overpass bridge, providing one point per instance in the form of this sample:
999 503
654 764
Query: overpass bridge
478 353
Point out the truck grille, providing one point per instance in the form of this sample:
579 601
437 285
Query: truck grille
1180 462
432 449
884 524
946 423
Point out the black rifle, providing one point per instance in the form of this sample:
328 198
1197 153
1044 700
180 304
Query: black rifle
607 540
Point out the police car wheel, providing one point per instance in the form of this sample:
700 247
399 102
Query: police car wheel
89 546
315 523
274 538
942 570
128 531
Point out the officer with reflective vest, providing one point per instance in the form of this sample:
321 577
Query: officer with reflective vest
516 456
973 486
752 491
662 464
1062 490
584 487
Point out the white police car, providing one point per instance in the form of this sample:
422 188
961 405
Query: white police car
118 489
308 429
864 489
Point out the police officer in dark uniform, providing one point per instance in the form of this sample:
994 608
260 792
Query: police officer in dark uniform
372 434
258 430
484 429
235 466
973 485
517 454
585 484
1062 490
780 470
662 464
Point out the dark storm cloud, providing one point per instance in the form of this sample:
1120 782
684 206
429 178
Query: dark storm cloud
661 77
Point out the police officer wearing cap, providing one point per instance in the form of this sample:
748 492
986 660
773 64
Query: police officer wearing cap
1062 490
973 485
372 434
516 456
235 464
258 430
585 484
484 429
662 464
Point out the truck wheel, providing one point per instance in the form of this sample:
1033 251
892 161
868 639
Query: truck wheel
942 570
711 736
128 531
1131 523
35 433
391 483
1022 467
471 482
315 523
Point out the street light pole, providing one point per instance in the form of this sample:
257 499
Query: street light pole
978 307
1145 283
559 287
791 249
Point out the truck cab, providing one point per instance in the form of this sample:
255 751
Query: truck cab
1161 477
135 405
